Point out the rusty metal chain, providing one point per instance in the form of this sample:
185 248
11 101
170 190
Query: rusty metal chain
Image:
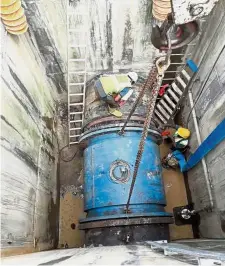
147 85
150 110
151 106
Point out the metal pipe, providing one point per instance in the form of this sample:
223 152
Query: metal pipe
204 165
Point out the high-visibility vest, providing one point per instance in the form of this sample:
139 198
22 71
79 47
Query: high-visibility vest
115 83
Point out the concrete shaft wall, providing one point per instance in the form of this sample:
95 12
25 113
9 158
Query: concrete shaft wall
210 109
32 82
119 34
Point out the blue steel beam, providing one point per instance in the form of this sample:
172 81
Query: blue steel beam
207 145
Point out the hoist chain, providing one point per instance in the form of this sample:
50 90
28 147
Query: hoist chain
147 85
161 64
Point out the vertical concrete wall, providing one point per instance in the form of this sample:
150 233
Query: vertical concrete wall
210 109
32 83
118 34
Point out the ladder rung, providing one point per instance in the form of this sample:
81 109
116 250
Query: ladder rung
75 121
74 13
180 54
178 63
77 60
160 116
163 111
166 106
74 136
74 104
158 121
75 113
76 84
76 72
74 142
75 128
173 95
176 88
185 74
77 46
166 97
183 84
172 71
76 94
168 78
75 30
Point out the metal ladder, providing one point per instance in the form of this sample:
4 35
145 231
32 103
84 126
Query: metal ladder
168 105
77 39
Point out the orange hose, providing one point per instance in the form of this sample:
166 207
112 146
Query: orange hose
5 10
6 2
18 32
17 28
14 22
160 9
13 17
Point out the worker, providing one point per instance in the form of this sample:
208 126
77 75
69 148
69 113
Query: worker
174 160
115 90
179 139
179 142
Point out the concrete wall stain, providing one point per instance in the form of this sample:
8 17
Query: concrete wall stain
10 125
128 41
41 35
109 44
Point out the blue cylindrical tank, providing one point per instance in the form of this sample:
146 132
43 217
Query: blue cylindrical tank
109 160
108 169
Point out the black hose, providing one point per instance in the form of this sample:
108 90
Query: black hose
70 159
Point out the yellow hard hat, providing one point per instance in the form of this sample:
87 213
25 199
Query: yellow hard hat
183 132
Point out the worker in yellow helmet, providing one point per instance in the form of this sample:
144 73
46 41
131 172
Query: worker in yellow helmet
181 137
175 158
115 90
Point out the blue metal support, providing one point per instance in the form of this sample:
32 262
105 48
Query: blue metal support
207 145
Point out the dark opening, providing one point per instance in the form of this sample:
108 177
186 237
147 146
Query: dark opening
73 226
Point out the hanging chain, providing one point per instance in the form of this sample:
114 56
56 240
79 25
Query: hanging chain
162 64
